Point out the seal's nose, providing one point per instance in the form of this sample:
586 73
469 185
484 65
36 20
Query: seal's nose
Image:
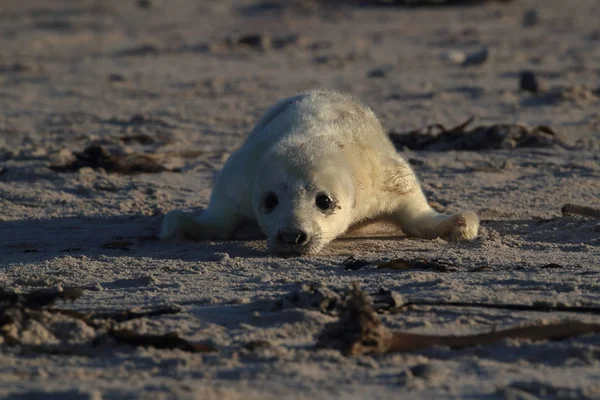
292 237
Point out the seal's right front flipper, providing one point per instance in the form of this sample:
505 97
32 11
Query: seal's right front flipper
176 224
211 224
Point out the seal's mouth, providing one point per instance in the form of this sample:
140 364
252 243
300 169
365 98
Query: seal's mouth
286 250
290 251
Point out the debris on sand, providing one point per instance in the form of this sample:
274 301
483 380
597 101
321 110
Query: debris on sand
98 156
170 341
576 209
360 331
27 320
531 18
494 137
577 94
142 50
310 296
422 264
256 41
380 72
20 68
37 298
423 3
330 301
353 264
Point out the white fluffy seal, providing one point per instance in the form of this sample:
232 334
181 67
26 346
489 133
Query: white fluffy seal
314 165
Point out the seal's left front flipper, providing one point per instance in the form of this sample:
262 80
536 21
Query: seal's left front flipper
415 216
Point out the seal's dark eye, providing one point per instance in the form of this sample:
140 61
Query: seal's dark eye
270 202
324 202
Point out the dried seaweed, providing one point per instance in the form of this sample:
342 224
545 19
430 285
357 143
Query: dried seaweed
360 331
98 156
331 302
437 137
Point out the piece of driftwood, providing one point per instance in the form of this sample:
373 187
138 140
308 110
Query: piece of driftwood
576 209
505 306
437 137
360 331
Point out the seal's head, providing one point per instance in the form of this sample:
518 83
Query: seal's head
302 201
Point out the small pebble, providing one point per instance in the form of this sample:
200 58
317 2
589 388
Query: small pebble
516 394
116 78
531 18
478 57
455 57
427 371
405 377
529 82
333 60
64 157
379 72
254 40
354 264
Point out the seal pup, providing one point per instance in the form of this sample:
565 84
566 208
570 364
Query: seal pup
314 165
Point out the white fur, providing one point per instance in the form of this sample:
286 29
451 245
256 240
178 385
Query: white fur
318 142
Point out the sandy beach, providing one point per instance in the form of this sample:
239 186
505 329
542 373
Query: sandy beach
177 85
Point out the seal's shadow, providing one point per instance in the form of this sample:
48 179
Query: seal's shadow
28 241
36 240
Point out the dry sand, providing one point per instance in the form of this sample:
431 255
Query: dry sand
77 72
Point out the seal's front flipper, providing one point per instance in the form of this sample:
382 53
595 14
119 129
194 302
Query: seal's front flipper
174 225
208 225
459 227
416 218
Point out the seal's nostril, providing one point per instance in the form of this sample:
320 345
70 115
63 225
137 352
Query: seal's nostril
302 238
292 238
